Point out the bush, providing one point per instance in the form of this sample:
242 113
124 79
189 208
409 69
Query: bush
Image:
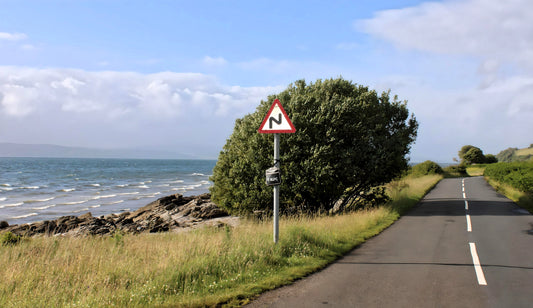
348 139
490 159
518 175
474 156
9 238
426 168
455 170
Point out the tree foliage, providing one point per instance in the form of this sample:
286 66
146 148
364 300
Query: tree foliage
464 150
490 159
470 154
348 139
474 156
425 168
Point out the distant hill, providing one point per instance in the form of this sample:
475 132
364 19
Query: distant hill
515 154
50 150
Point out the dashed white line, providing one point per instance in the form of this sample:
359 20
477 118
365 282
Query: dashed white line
468 223
477 265
466 205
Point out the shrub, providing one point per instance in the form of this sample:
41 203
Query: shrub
348 139
518 175
474 156
9 238
455 170
426 168
490 159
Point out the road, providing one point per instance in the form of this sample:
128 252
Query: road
464 245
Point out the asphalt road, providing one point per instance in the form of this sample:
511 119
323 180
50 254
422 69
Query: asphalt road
460 247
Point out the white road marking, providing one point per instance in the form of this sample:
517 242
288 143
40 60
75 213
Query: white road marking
464 195
477 265
468 223
466 205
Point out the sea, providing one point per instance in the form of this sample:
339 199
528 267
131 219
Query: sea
36 189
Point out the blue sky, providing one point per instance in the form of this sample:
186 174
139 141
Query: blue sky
176 74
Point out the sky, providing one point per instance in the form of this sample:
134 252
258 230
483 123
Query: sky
175 75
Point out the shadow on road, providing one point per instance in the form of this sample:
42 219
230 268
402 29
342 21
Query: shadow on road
438 264
456 207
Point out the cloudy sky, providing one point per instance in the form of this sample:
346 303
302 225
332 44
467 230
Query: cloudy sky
176 74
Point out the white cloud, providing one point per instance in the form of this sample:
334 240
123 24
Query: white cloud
499 30
495 41
210 61
85 108
12 36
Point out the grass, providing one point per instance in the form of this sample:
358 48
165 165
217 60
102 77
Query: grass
524 152
522 199
475 170
207 267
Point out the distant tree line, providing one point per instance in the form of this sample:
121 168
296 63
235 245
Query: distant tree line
470 154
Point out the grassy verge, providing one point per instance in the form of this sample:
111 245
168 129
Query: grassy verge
206 267
523 199
475 170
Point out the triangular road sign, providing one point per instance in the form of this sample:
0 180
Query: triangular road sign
276 121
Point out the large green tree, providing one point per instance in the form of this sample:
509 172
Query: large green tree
474 156
348 139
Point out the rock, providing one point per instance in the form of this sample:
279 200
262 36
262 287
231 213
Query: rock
168 213
86 216
66 223
47 227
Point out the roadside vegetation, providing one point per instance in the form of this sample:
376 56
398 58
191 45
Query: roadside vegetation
206 267
514 180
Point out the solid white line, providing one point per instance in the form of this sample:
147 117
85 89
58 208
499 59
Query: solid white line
477 265
466 205
468 223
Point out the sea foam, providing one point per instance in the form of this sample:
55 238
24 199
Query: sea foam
24 216
11 205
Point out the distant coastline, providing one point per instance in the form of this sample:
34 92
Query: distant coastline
58 151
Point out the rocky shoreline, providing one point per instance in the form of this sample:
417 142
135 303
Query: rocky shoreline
170 213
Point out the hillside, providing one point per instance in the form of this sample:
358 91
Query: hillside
49 150
515 154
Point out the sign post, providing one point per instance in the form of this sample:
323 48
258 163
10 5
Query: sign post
276 122
276 189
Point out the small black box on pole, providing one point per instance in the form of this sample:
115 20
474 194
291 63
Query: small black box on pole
273 176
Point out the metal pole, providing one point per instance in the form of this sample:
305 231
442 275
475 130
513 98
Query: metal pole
276 190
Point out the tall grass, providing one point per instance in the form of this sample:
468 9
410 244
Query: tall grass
521 198
205 267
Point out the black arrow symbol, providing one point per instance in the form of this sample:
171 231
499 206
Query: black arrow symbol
272 119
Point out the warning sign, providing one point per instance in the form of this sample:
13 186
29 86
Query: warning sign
276 121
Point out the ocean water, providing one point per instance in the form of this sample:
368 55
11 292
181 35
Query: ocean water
34 189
